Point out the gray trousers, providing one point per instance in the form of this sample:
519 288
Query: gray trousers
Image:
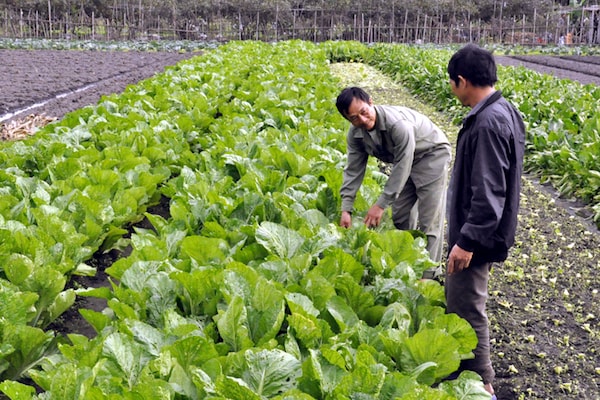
423 208
466 295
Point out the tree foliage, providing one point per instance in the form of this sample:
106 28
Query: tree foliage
169 9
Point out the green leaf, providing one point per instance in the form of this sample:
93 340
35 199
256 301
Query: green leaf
16 307
62 302
356 295
396 385
126 355
306 329
459 329
233 325
153 339
279 240
267 312
299 303
430 345
320 376
328 203
234 388
17 391
203 250
30 346
342 313
18 268
337 262
318 288
271 372
397 316
467 386
365 380
200 290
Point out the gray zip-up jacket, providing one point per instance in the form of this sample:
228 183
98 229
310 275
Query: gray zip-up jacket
401 137
484 190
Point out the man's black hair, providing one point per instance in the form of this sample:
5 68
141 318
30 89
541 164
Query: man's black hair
347 95
475 64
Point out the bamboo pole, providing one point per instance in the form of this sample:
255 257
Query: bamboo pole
294 24
315 27
417 27
581 26
546 30
50 18
513 29
534 23
598 33
405 30
393 25
523 31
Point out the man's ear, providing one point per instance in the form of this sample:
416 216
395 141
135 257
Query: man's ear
461 79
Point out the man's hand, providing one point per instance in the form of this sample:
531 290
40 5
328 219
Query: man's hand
458 260
374 216
346 220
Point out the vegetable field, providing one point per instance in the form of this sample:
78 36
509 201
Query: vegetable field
243 286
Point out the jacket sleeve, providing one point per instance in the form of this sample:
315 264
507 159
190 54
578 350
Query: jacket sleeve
403 138
354 174
491 164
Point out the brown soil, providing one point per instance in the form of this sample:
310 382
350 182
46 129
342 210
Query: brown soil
544 303
584 69
35 78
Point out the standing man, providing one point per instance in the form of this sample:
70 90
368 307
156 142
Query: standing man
420 154
483 195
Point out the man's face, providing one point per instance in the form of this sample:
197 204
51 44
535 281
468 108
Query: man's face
362 114
458 88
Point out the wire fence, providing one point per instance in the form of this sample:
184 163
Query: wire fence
313 25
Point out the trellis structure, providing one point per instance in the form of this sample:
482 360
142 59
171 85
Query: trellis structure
565 26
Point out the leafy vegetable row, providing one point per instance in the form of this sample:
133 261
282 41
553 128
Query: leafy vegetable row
249 289
94 45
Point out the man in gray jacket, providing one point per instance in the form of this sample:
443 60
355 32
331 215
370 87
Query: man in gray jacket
483 195
419 153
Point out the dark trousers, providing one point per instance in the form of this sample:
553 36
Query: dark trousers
466 295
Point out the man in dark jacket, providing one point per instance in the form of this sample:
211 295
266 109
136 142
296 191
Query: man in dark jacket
483 195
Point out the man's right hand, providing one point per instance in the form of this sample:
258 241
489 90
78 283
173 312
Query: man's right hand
346 220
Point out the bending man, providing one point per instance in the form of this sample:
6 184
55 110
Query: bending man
419 153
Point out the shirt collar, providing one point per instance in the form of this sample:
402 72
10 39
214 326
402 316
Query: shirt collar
379 120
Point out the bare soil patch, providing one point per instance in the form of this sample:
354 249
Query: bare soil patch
544 305
572 63
55 82
583 69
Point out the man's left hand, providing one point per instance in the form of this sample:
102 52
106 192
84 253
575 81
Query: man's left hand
458 260
374 216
